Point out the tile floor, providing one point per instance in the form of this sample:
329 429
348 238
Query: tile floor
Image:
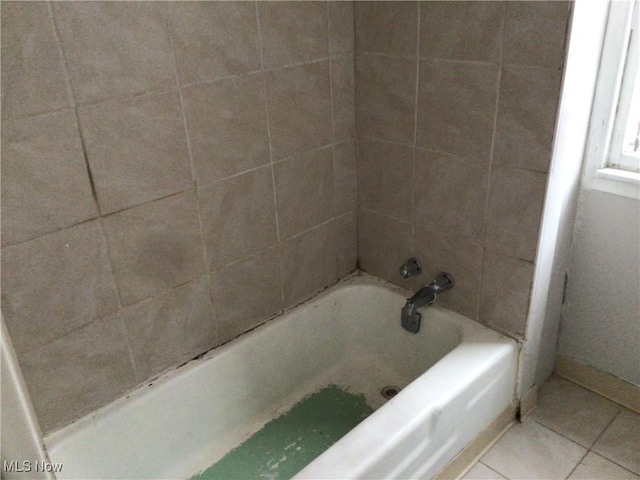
573 433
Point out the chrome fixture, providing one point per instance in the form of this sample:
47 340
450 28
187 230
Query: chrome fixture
426 295
411 268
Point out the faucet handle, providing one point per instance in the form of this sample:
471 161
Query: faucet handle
442 282
410 268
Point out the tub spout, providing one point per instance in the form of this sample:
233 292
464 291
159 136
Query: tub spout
410 317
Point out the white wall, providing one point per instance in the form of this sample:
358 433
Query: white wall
600 323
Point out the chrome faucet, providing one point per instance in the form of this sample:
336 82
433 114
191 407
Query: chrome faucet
426 295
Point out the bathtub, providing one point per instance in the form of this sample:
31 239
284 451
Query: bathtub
456 378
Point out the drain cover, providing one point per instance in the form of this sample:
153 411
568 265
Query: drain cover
390 392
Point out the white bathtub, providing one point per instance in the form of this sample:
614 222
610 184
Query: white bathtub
458 377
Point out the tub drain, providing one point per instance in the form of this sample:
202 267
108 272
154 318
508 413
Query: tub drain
390 392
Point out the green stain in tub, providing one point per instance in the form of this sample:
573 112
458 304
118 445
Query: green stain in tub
288 443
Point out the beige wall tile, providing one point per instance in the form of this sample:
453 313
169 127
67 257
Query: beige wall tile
526 117
345 177
385 173
506 288
343 98
534 33
516 198
155 247
384 244
171 328
238 217
387 27
299 106
456 107
137 149
33 77
386 97
45 185
437 253
451 194
115 48
55 284
214 39
347 243
78 373
227 124
341 28
308 263
293 32
461 30
304 191
247 293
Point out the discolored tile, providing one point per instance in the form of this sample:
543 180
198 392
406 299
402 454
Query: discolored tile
293 32
238 217
137 149
214 39
594 466
55 284
299 106
620 442
345 177
347 243
155 247
115 48
343 98
247 293
33 78
170 328
304 191
227 125
387 27
45 185
78 373
341 28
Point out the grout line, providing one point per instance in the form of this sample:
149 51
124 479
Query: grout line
412 212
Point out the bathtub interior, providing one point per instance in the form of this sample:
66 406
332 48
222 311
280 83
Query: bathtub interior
349 336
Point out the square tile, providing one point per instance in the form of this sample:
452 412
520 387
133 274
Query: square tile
55 284
304 191
516 200
238 217
506 289
343 98
293 32
227 123
247 293
78 373
155 247
573 411
461 30
137 149
115 48
45 184
386 97
385 173
308 263
456 107
620 442
299 106
341 28
387 27
347 243
534 33
345 177
451 194
481 472
33 77
170 328
532 451
526 117
214 39
594 466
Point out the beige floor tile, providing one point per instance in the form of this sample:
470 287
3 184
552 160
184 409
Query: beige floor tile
621 441
531 450
481 472
594 466
573 411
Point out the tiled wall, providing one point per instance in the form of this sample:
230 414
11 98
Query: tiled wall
173 175
455 106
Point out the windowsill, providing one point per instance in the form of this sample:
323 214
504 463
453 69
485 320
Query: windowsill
617 182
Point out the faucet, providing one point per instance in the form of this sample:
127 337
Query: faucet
410 317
